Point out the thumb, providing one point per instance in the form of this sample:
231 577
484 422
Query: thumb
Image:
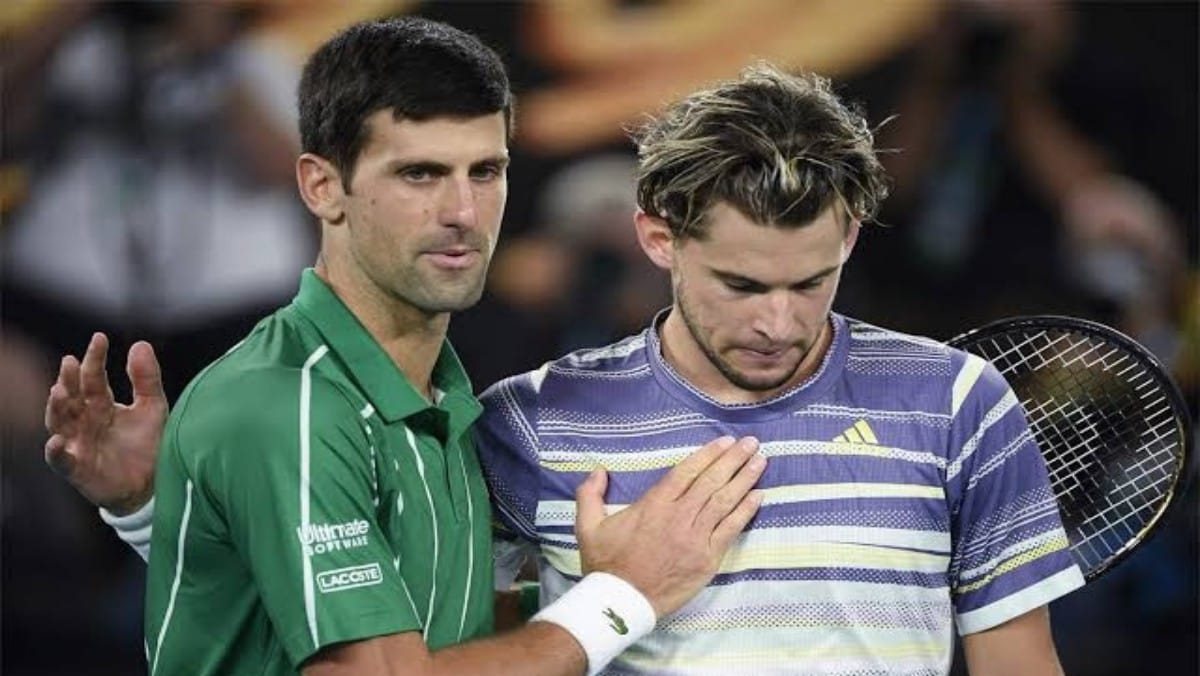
144 374
589 501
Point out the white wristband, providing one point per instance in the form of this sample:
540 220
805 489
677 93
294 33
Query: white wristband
605 614
134 529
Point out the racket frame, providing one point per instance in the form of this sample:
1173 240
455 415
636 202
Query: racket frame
1182 479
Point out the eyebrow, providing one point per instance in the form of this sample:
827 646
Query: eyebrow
443 169
500 161
727 276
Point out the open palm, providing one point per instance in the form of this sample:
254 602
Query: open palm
105 449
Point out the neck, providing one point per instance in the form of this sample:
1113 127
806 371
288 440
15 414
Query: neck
412 338
679 349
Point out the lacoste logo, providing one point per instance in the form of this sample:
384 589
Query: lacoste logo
859 433
349 578
616 621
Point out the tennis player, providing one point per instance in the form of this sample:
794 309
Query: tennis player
319 505
905 496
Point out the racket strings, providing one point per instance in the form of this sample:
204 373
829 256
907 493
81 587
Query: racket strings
1109 436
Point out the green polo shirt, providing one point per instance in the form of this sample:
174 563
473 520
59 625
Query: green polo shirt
308 495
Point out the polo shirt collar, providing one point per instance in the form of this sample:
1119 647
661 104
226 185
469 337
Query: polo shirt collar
384 385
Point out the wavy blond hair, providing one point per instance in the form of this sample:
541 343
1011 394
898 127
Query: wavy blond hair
780 148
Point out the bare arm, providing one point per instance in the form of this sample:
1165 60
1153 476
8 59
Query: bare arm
1023 646
668 545
537 649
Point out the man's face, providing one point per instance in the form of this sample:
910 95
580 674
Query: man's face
755 298
423 214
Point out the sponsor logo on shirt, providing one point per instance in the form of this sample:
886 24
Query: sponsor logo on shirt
858 433
320 538
349 578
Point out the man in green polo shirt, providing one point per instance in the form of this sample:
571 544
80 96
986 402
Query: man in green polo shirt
319 506
314 485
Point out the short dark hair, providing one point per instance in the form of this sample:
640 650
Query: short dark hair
417 68
780 148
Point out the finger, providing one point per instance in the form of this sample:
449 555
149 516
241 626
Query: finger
589 501
57 456
93 376
68 375
145 375
681 476
727 498
60 418
717 475
732 525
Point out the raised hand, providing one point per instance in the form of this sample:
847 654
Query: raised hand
105 449
669 544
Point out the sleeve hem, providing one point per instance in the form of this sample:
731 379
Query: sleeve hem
133 529
1019 603
299 644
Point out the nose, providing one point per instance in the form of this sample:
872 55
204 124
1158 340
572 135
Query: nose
774 319
458 204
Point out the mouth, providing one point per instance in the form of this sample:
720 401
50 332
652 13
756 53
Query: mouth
453 258
765 357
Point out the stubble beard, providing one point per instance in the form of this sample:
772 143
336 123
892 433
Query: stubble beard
425 292
727 370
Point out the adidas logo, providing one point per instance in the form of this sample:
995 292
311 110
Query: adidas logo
859 433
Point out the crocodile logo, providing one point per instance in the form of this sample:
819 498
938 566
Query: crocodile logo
616 622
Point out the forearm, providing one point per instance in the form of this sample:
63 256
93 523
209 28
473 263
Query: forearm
536 649
1023 646
1009 664
580 632
539 649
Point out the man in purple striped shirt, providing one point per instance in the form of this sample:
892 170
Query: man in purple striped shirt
905 494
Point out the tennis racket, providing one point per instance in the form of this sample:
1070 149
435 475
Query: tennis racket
1113 428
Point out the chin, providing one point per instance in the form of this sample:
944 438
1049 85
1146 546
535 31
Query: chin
435 296
452 304
761 381
762 385
756 383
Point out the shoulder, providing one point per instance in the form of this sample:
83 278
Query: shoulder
926 374
264 378
888 351
617 361
242 429
235 406
623 355
868 339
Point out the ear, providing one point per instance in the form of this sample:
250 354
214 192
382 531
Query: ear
851 239
321 189
655 238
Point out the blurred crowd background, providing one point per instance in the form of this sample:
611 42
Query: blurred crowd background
1044 158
